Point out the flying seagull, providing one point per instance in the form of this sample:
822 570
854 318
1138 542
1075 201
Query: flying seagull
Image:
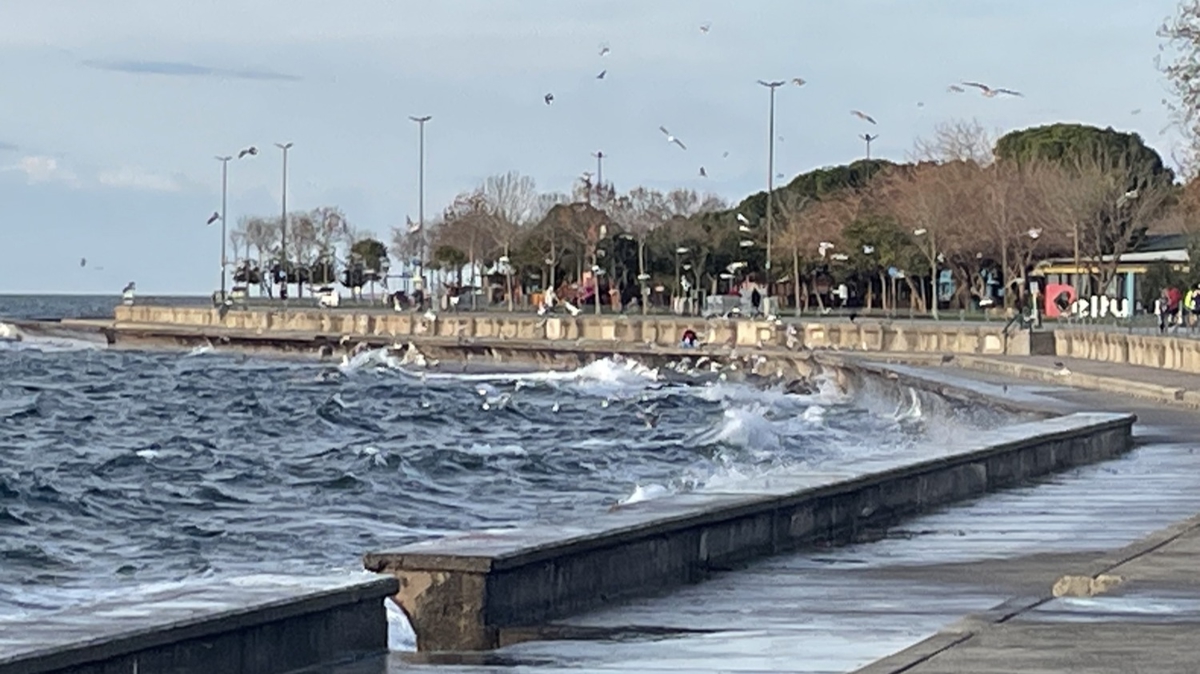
83 262
604 50
862 115
602 74
213 218
989 92
413 227
725 155
704 27
799 81
549 98
670 138
248 151
779 176
954 88
1136 112
703 173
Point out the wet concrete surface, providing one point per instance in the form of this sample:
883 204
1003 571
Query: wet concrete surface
837 610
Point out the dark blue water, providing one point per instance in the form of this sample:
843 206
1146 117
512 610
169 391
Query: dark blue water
122 467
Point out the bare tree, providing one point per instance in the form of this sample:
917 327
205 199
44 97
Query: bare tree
956 140
511 203
1180 65
812 231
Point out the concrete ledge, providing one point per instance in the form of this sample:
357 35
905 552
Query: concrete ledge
460 591
268 628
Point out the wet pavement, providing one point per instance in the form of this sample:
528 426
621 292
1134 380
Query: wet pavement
841 609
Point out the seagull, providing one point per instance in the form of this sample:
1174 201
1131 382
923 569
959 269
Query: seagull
867 250
742 219
213 218
862 115
129 287
413 227
604 51
703 173
1138 111
725 155
744 229
83 262
799 81
704 27
649 416
779 176
248 151
954 88
602 74
670 138
430 316
989 92
549 98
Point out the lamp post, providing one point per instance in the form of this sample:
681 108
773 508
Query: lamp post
599 155
770 173
868 138
249 151
933 271
283 218
420 120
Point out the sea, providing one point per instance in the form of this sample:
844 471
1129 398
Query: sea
124 468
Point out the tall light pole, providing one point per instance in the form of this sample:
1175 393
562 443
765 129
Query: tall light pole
283 216
599 155
770 173
224 192
249 151
868 138
421 195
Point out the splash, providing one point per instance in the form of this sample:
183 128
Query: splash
15 338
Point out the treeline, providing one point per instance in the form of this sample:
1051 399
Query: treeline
982 209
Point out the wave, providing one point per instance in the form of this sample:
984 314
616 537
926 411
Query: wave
17 339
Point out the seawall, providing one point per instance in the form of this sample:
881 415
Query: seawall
265 628
479 590
182 323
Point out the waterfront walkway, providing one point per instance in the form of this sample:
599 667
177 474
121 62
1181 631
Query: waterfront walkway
843 609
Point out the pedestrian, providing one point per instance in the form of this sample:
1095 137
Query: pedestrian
1160 310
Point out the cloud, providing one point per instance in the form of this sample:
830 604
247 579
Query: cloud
180 69
40 169
128 177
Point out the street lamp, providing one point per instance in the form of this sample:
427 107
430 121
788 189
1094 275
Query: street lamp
933 271
283 220
599 155
249 151
868 138
770 171
421 194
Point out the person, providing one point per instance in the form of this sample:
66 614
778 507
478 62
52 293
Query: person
689 339
1160 310
755 299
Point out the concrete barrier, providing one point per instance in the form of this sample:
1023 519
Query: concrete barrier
658 330
465 592
264 628
1162 351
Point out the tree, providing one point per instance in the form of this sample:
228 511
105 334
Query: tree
1182 70
510 203
371 256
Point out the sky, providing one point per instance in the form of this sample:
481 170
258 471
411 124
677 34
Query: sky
111 113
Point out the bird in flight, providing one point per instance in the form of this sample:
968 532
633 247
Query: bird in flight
1136 112
725 155
779 176
989 92
213 218
863 116
83 262
670 138
954 88
248 151
799 81
413 227
549 98
703 173
602 74
604 50
704 27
